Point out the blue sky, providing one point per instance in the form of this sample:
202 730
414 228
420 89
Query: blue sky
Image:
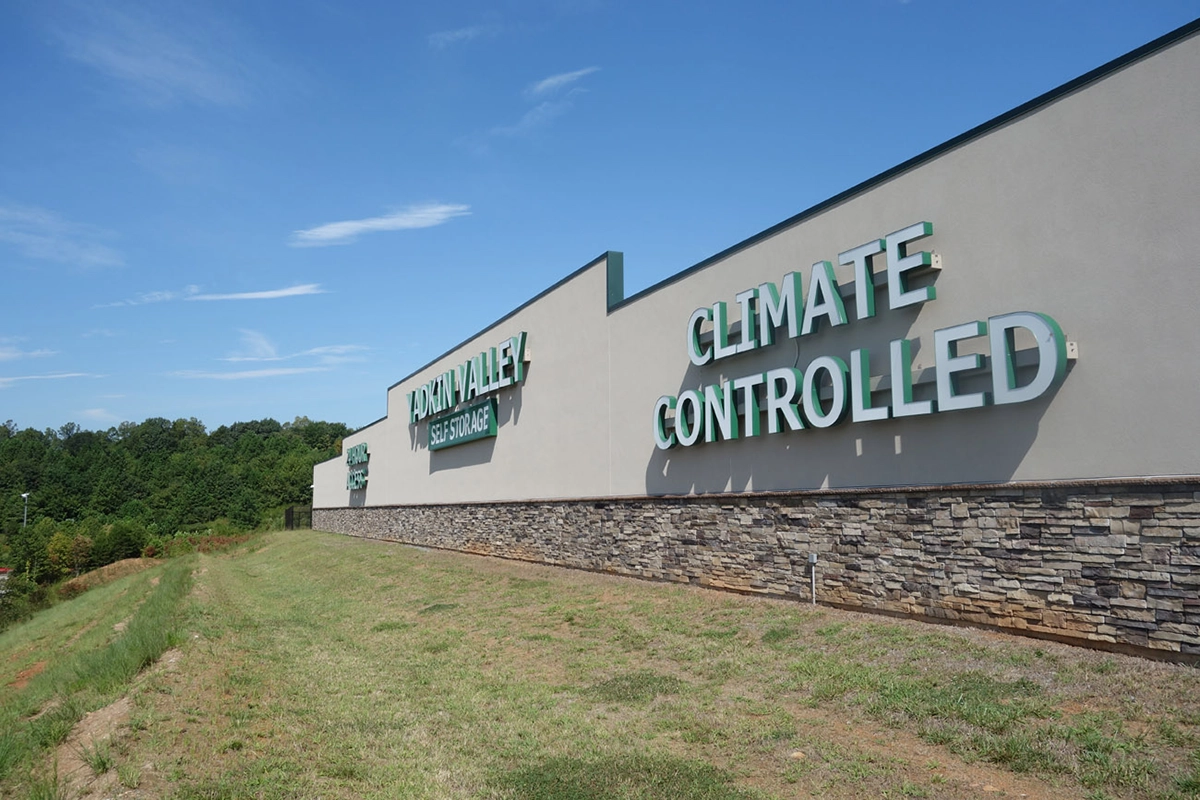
235 210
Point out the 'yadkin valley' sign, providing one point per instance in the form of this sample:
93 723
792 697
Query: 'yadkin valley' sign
493 369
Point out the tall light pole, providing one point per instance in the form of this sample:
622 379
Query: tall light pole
25 496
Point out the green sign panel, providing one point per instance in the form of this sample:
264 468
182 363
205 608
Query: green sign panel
473 422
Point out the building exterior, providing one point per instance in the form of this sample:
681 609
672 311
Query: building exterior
965 387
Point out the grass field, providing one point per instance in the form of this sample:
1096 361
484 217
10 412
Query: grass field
320 666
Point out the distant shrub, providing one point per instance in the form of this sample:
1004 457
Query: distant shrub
21 598
70 589
207 540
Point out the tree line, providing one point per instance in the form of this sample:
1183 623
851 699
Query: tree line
99 496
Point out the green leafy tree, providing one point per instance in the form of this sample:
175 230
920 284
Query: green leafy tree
68 554
29 553
138 480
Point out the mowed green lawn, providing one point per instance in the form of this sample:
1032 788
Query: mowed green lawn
315 665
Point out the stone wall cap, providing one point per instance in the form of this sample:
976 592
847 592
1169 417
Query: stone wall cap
1133 483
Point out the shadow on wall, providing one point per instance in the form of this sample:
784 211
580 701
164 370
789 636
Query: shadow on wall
980 445
463 455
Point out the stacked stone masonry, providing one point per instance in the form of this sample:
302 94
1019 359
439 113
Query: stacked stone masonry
1111 565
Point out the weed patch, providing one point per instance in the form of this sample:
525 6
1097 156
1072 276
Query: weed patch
779 635
97 756
1189 783
267 779
46 786
437 608
129 776
1021 751
634 687
385 627
979 700
620 777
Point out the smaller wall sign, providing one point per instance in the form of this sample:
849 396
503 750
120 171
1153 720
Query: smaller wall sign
356 459
477 421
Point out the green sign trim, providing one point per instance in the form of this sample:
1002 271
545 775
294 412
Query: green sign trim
477 421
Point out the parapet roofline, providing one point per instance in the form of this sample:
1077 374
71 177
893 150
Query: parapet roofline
615 260
1023 110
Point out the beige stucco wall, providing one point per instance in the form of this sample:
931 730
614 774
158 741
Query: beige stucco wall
1083 210
541 449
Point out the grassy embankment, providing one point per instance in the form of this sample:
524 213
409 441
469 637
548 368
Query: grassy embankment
325 666
76 657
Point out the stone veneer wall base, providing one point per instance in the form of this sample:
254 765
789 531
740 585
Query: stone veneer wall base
1107 564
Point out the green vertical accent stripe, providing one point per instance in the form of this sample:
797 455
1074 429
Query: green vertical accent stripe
616 277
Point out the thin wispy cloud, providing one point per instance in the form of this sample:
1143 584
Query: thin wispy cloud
45 236
162 55
193 293
99 415
270 294
443 39
555 82
147 298
334 350
6 382
554 96
426 215
257 347
250 374
10 351
99 332
333 354
534 118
